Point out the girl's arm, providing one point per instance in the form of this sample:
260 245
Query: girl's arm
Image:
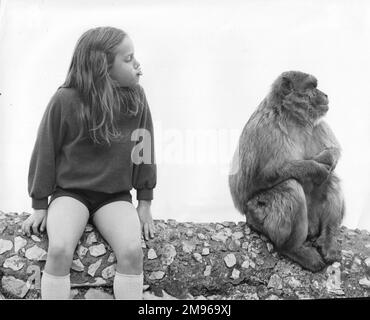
145 170
42 167
144 167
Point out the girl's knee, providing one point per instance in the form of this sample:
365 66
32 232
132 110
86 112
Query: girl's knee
60 252
131 256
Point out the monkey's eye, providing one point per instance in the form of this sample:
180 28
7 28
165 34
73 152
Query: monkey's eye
309 87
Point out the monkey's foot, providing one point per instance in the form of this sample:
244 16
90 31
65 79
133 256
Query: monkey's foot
308 257
329 251
332 255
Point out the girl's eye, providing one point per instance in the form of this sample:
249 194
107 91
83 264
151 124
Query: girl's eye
129 58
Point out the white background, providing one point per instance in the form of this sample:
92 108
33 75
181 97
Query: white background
207 65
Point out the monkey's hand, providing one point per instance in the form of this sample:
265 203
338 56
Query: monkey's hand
327 157
319 172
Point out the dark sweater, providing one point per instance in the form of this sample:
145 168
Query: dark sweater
64 155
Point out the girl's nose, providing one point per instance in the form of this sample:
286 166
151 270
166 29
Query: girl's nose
137 64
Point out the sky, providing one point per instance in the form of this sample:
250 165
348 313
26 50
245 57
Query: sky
207 65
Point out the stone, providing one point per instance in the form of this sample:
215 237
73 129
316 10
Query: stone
227 232
97 294
237 235
230 260
337 264
156 275
143 244
245 264
228 223
93 267
81 251
270 247
207 271
197 257
151 254
163 296
89 228
35 253
3 226
364 282
168 253
333 282
188 246
77 265
205 252
234 245
98 282
367 245
172 222
19 243
347 253
91 238
14 286
15 263
272 297
256 250
187 225
263 238
235 274
111 258
74 293
97 250
357 260
201 236
109 272
367 262
206 244
35 238
356 265
5 245
219 227
219 236
189 233
293 282
247 230
245 245
275 282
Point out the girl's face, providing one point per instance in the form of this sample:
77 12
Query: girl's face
125 69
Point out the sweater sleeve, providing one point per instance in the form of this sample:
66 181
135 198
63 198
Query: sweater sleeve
144 167
42 175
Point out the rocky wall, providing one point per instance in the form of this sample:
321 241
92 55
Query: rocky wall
187 261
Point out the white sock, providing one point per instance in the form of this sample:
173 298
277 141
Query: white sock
55 287
128 286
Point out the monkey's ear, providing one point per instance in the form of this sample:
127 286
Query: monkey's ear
286 85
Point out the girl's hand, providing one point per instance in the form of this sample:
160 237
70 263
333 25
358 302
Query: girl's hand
36 219
146 220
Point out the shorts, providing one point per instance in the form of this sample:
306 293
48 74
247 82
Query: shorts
93 200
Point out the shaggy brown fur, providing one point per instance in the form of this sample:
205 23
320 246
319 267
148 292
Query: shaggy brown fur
285 184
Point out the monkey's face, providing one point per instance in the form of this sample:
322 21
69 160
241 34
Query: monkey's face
317 101
300 96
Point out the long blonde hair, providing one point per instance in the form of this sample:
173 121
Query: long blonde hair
102 98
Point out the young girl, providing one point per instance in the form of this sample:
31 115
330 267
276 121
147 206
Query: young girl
87 156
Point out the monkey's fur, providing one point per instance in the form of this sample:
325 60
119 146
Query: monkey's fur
285 183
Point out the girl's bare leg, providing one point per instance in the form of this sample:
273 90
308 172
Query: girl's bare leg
66 221
119 224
